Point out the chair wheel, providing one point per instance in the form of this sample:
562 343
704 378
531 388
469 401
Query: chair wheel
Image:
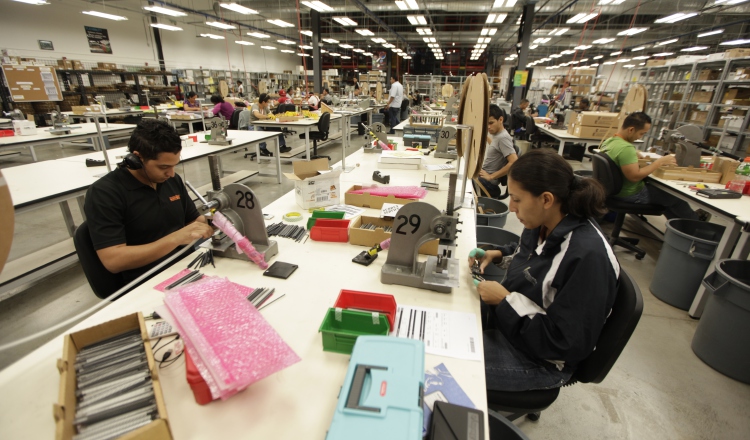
533 416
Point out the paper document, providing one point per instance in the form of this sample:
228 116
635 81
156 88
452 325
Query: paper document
444 333
351 211
446 166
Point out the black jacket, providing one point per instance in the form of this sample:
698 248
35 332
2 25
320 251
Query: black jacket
561 292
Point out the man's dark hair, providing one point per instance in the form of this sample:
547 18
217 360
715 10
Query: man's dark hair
585 101
524 101
497 113
394 77
239 82
151 137
637 120
215 99
326 90
240 104
191 94
263 98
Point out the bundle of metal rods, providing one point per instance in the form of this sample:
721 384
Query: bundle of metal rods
281 229
373 226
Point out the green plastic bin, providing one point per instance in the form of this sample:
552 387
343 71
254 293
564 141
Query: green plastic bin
323 214
339 335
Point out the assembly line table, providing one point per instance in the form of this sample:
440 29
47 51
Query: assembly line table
563 136
264 410
111 113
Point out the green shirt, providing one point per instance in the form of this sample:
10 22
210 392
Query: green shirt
623 153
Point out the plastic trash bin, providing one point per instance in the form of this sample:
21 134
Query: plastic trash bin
689 246
490 235
722 339
495 212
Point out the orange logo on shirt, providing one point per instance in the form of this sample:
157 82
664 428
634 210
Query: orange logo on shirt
174 198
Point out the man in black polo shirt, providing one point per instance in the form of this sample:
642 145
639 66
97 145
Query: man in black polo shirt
140 213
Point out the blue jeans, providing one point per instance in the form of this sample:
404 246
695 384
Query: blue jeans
675 207
493 189
282 141
393 114
508 369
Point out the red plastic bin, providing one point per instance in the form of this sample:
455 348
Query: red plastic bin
373 302
326 229
201 392
7 133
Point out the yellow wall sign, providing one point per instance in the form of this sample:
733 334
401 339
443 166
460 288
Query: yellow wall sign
520 78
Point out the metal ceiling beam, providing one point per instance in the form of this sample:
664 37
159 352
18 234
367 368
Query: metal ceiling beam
377 19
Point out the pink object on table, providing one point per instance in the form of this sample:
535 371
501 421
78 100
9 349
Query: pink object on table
401 192
162 287
242 243
229 341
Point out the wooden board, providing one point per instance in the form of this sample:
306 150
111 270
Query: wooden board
324 108
32 83
474 111
459 138
688 174
379 91
7 221
447 91
223 88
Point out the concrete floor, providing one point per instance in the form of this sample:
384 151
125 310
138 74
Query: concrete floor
658 389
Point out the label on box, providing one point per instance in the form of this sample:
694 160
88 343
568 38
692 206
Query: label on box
389 210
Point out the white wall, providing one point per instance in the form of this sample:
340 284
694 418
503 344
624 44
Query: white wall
61 22
618 79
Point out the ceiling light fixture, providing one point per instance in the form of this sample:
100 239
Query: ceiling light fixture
165 11
238 8
358 50
664 43
643 57
166 27
268 47
609 63
280 23
694 48
718 31
582 47
599 57
330 40
334 54
614 54
416 19
258 35
496 18
734 42
287 42
558 31
623 60
603 41
663 54
636 49
212 36
633 31
220 25
244 43
388 46
306 47
676 17
33 2
286 51
303 54
345 21
346 46
364 32
318 6
582 17
107 16
367 54
308 33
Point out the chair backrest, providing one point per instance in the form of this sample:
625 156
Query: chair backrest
285 108
620 324
102 281
235 119
324 123
607 173
530 125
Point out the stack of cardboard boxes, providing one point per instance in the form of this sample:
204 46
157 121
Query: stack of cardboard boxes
594 125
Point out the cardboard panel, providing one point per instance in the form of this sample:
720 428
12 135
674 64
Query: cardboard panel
32 83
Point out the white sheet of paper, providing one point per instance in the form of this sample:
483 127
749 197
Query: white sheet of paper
444 333
447 166
389 209
351 211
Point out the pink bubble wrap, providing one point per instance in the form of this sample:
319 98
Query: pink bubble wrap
241 242
231 343
161 287
401 192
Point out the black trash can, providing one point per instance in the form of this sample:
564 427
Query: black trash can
722 339
689 246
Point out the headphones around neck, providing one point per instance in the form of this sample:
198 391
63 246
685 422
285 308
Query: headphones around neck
132 161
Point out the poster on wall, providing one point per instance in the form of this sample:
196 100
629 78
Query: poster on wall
98 40
520 78
379 61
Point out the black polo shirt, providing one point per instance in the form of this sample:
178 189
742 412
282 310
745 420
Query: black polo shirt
122 210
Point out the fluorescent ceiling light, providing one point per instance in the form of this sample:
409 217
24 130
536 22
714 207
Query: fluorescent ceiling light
245 43
389 46
603 40
280 23
558 31
107 16
555 56
641 64
410 4
402 5
567 52
377 40
330 40
734 42
308 33
367 54
346 46
239 8
212 36
220 25
610 2
407 57
268 47
498 4
166 27
663 54
496 18
416 19
481 40
334 54
318 6
541 40
258 35
614 54
346 57
694 48
632 31
582 47
306 47
643 57
287 42
664 43
533 46
160 10
322 50
595 65
629 66
364 32
303 54
33 2
676 17
609 63
584 60
358 50
582 17
345 21
636 49
599 57
718 31
424 31
286 51
623 60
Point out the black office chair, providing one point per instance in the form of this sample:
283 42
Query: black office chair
610 176
234 121
503 429
324 124
282 108
620 324
102 281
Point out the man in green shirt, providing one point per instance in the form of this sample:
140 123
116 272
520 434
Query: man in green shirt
622 151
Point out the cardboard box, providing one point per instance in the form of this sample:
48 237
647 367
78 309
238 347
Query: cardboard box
735 94
709 75
700 96
737 102
737 53
81 109
366 200
731 122
65 64
371 237
24 128
674 97
726 167
740 74
713 140
597 119
727 142
689 174
652 63
64 410
77 65
698 116
585 131
315 184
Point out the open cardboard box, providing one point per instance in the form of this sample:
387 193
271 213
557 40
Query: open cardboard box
64 411
315 184
366 200
371 237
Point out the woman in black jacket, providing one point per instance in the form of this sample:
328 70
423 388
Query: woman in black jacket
561 282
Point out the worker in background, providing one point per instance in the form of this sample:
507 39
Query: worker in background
519 115
499 155
313 101
325 96
416 99
547 315
395 96
191 103
561 96
584 105
283 98
260 111
140 213
240 89
621 150
221 107
357 91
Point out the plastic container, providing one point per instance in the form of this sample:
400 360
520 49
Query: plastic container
201 392
7 133
722 339
324 214
492 236
689 246
371 302
339 335
326 229
498 215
